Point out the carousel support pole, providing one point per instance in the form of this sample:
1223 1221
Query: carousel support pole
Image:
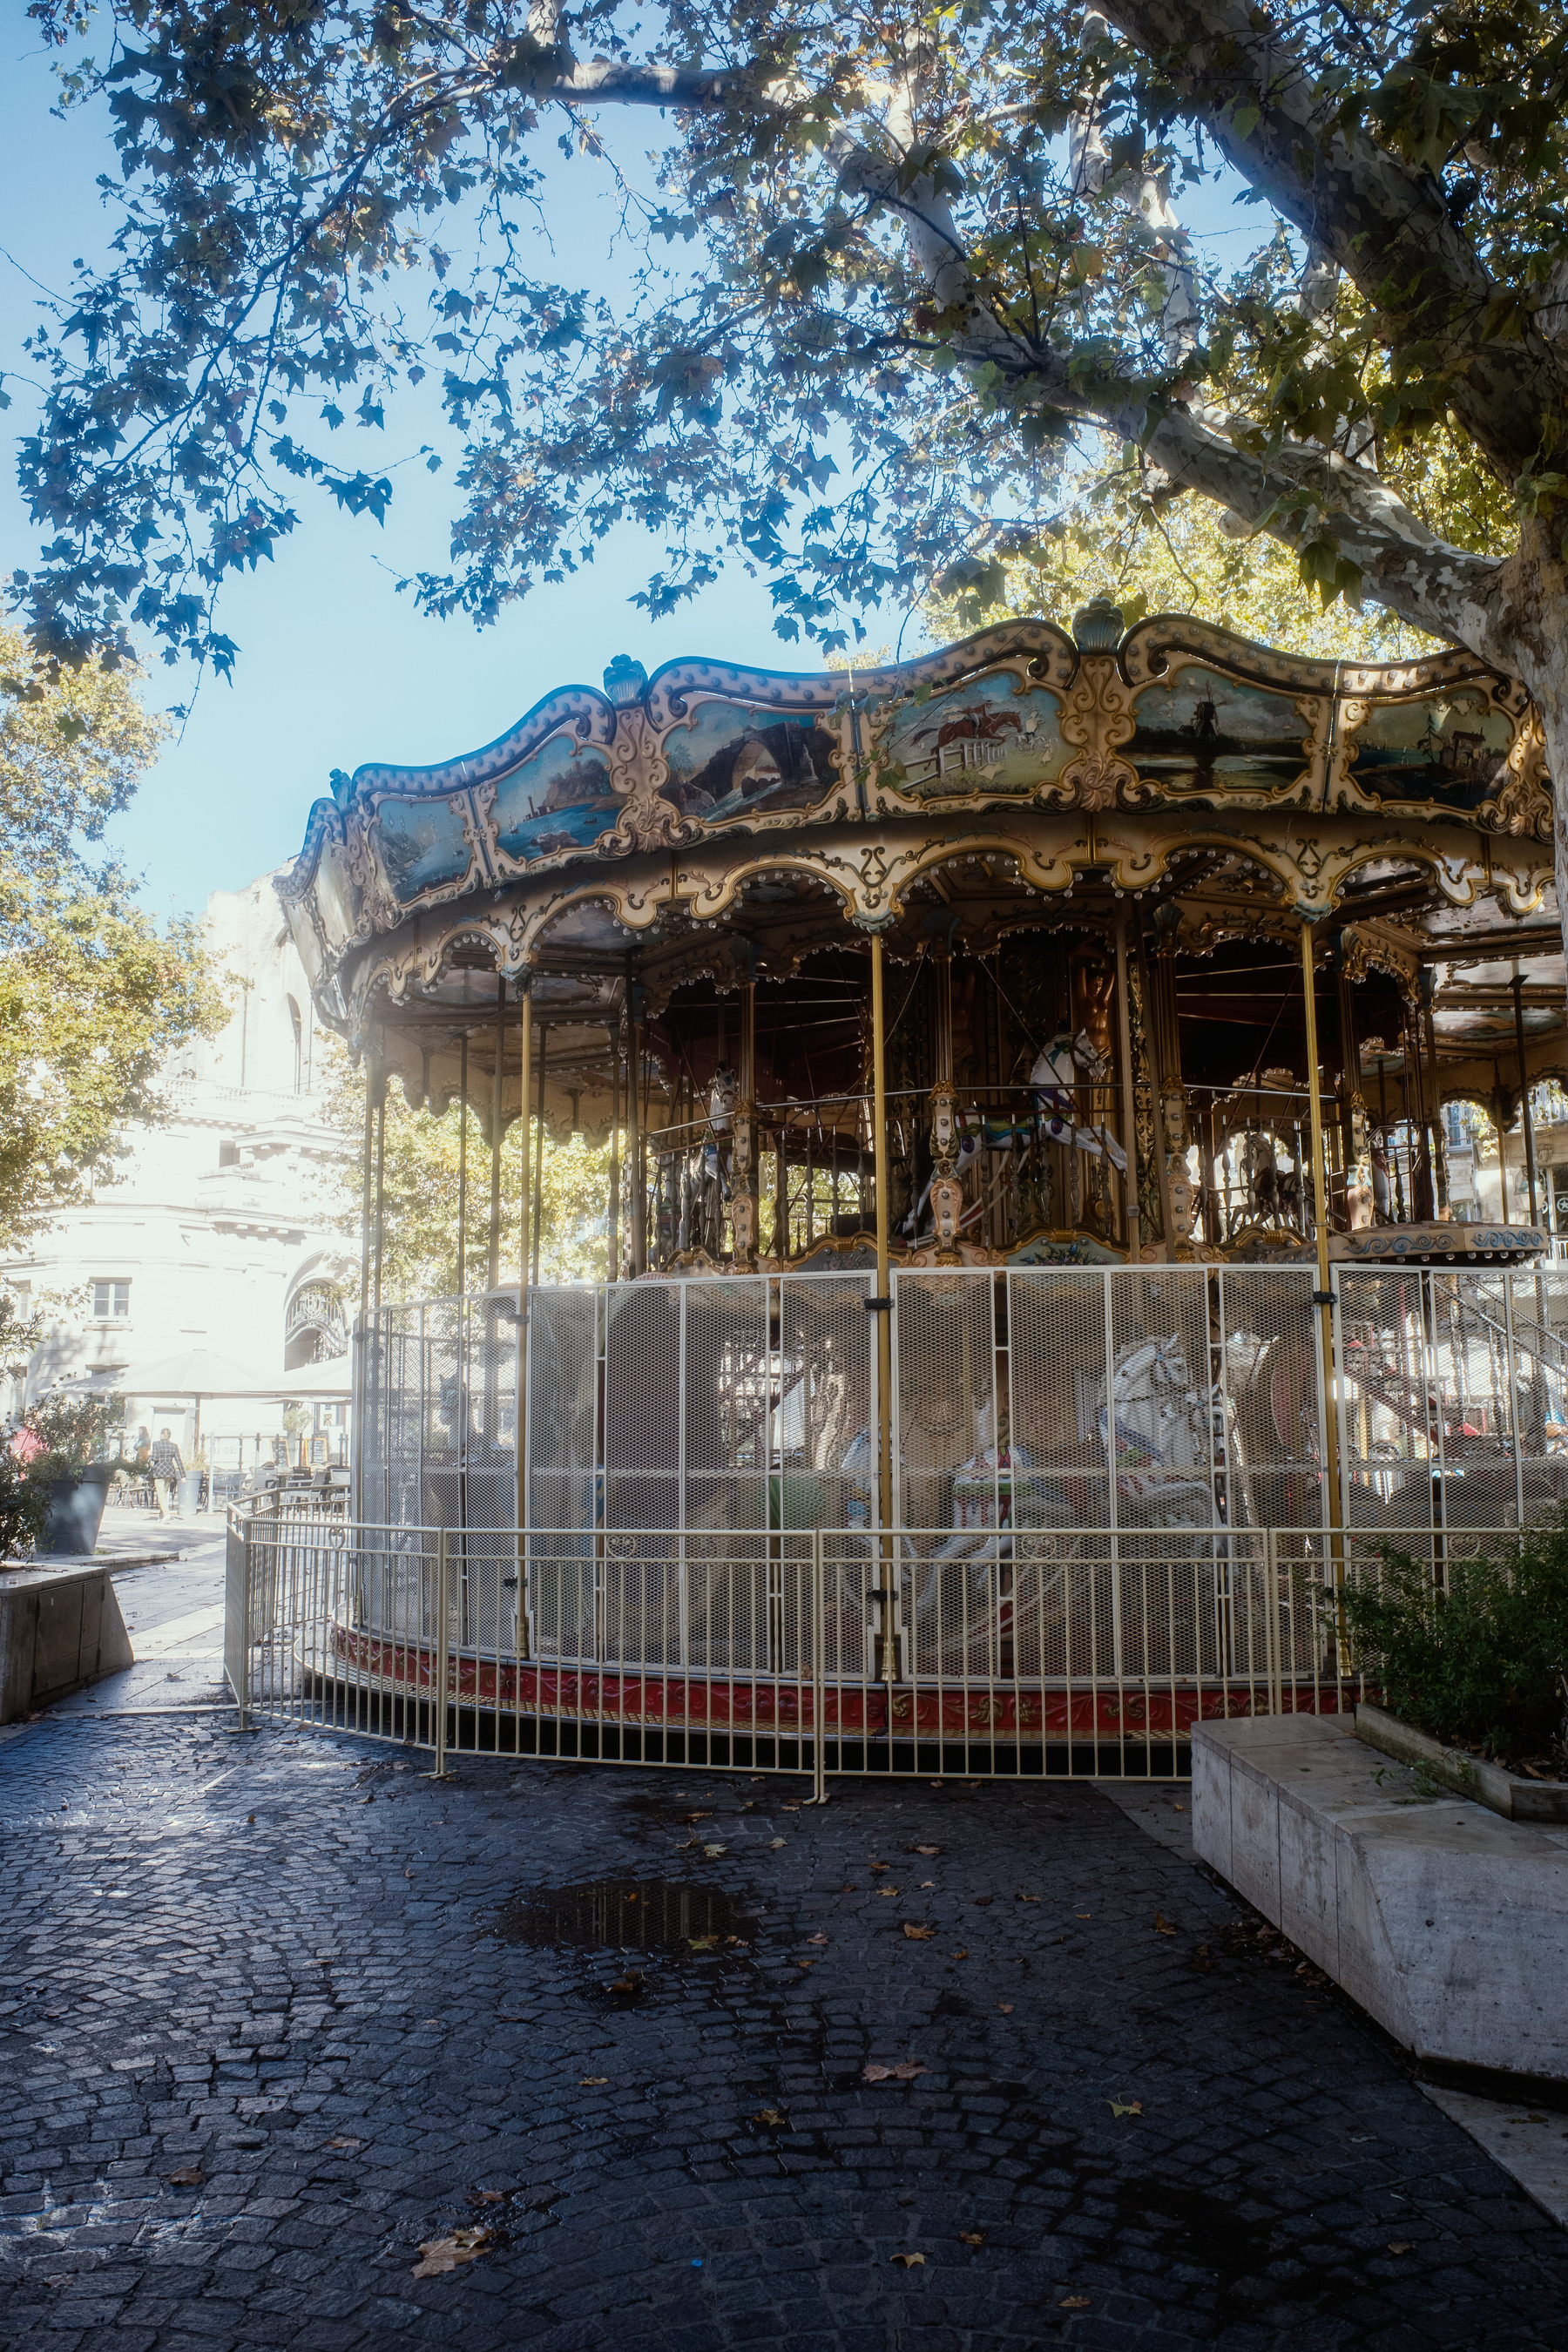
539 1158
375 1353
494 1267
362 1335
1157 1077
1129 1098
637 1148
882 1309
463 1166
1525 1120
525 1302
946 1189
1323 1298
1422 1201
1438 1142
745 1208
612 1271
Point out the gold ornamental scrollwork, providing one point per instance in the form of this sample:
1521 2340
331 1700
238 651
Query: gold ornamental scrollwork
1097 719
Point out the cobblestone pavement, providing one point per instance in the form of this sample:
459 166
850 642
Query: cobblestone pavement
272 2022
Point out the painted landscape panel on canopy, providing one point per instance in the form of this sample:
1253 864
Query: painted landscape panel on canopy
561 797
731 760
1450 748
420 846
986 736
1200 731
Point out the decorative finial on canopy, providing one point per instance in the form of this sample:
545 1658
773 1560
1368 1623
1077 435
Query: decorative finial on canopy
1099 627
626 681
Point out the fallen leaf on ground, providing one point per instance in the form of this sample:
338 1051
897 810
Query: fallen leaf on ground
1005 2007
699 1817
818 1938
922 1849
917 1934
972 2237
630 1982
1402 2246
189 2176
882 1865
961 1953
1161 1925
1135 2107
768 2116
890 1890
778 1841
1073 2303
593 2081
904 2071
1026 1898
703 1943
908 2260
344 2139
1083 1914
791 1809
443 2254
488 2196
713 1852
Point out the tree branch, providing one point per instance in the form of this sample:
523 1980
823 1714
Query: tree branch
1382 222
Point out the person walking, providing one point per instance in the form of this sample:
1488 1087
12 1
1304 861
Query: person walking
166 1466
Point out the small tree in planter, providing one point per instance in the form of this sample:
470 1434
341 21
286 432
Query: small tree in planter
64 1471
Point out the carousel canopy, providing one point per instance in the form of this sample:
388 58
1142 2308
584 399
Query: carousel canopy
626 853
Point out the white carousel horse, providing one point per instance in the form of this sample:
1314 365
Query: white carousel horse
1066 1062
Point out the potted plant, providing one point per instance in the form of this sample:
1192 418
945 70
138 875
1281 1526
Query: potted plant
64 1471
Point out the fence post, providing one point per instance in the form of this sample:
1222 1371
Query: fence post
439 1717
1272 1609
818 1711
236 1622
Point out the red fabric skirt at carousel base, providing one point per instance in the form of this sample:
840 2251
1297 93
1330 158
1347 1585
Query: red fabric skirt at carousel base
660 1698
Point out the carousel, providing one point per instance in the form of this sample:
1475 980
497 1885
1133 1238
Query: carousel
1040 1229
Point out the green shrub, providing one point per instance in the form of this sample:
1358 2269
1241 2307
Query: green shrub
24 1506
1482 1664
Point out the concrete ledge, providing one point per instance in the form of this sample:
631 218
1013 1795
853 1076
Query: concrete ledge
1501 1792
1448 1924
60 1628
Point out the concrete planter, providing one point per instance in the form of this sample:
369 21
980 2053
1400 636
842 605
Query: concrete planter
75 1512
1471 1775
59 1627
1447 1923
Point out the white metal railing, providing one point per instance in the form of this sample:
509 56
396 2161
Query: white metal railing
1007 1652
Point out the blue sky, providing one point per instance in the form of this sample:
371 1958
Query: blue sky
335 667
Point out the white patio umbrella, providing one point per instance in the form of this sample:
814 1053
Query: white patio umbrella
197 1372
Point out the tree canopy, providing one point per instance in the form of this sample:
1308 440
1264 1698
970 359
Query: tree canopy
900 277
94 996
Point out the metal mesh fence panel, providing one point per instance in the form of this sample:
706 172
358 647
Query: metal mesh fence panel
946 1398
1388 1410
1540 1317
824 1437
1267 1357
491 1330
1056 1369
563 1477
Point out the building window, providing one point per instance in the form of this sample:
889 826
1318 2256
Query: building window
111 1298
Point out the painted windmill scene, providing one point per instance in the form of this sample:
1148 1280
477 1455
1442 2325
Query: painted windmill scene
984 736
1200 732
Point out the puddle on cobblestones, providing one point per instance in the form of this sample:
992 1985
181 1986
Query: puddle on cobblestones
629 1914
1202 2229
